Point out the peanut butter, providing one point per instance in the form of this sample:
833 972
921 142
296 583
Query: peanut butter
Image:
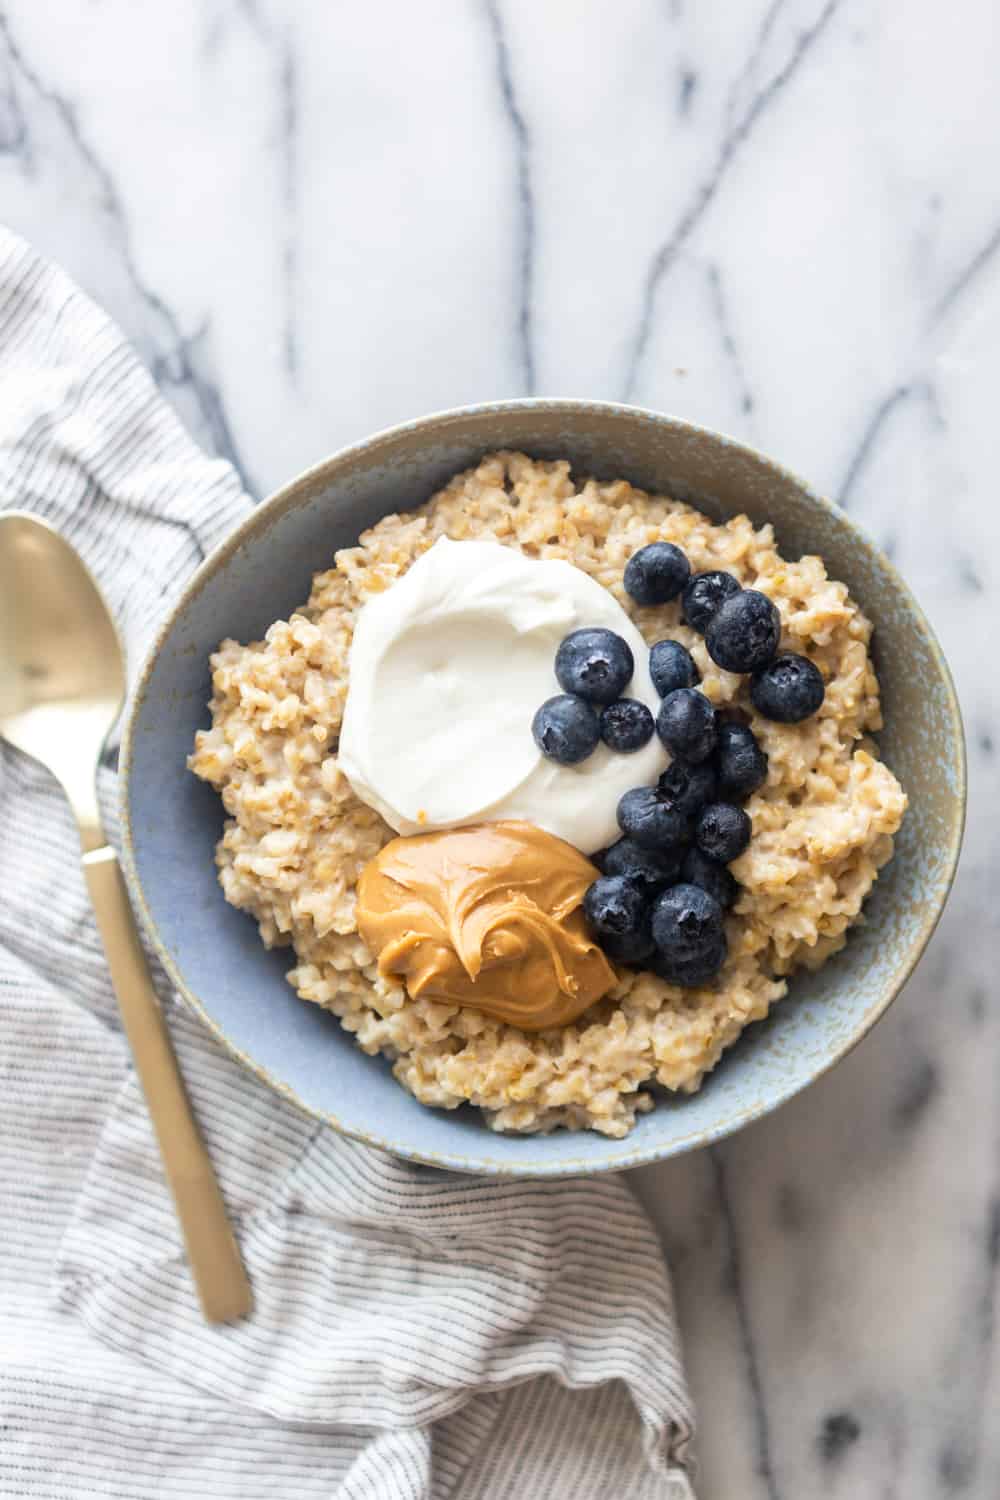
488 916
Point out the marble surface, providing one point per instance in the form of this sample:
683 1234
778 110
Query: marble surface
780 219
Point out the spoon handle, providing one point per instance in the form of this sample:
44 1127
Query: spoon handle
213 1255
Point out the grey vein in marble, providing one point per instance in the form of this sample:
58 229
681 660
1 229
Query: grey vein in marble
289 177
176 365
279 39
14 139
686 86
525 209
979 262
869 437
734 1280
746 75
720 311
736 134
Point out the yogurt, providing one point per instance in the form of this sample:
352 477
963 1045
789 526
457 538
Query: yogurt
447 668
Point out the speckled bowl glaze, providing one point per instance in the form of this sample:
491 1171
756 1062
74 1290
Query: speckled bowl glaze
171 821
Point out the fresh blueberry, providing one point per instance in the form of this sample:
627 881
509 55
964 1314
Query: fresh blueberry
671 666
714 878
789 690
653 822
688 788
616 910
743 634
684 917
657 573
723 831
594 664
742 764
689 933
686 724
694 970
706 593
566 729
626 725
651 869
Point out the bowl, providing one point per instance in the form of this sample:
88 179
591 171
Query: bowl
171 821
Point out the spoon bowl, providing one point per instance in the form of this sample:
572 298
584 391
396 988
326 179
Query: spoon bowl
62 667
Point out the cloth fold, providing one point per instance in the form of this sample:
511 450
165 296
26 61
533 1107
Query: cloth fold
416 1335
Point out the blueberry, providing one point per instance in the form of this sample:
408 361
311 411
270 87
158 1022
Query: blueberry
566 729
714 878
685 918
594 664
689 933
650 869
690 972
789 690
723 831
616 910
706 593
742 764
626 725
657 573
688 788
686 724
743 634
671 666
654 823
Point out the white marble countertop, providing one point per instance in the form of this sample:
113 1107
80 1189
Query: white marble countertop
781 219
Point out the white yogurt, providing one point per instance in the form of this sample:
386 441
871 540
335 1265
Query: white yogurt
447 669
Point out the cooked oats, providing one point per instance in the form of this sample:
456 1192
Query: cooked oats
297 837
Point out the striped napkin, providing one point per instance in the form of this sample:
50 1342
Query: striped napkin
416 1335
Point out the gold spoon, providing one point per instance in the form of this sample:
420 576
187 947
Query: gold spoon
62 681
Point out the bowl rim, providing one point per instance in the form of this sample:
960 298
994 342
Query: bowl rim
626 1155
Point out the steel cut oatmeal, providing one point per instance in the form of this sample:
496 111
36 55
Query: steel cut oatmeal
297 837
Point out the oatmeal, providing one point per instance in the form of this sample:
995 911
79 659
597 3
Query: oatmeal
297 837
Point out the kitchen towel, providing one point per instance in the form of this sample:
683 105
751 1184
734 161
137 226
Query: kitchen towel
416 1335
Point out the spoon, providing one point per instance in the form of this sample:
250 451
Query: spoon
62 682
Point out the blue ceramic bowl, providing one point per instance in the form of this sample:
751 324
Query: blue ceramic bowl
171 821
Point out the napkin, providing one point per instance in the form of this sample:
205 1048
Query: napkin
416 1335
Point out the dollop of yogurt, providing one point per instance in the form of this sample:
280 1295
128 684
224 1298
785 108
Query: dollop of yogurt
447 668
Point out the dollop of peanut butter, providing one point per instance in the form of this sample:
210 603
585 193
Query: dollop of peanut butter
488 916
